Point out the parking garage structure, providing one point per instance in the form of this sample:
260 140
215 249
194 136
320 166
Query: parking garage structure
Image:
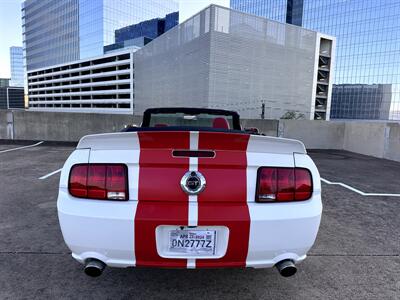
102 84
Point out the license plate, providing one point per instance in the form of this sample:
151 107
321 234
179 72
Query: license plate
196 242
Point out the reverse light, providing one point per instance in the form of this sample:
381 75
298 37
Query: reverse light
283 184
99 181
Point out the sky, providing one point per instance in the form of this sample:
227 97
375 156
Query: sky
10 32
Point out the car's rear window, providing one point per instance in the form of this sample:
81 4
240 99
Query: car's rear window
188 120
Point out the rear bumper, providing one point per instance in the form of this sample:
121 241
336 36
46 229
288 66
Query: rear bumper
105 230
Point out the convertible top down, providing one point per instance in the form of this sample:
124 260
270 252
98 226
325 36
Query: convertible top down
189 188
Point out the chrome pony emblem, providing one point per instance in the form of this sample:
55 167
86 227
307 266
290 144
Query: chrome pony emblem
193 182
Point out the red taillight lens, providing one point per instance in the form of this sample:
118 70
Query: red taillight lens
303 184
283 184
78 181
99 181
285 189
267 184
96 184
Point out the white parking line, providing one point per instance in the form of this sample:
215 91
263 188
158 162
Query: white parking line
358 191
50 174
23 147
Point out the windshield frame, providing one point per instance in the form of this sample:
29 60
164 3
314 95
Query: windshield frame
191 111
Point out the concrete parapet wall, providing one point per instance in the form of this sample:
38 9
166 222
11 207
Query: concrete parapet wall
365 138
379 139
6 124
314 134
392 142
65 126
268 127
3 124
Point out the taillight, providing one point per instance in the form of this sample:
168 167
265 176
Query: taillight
303 184
99 181
283 184
78 181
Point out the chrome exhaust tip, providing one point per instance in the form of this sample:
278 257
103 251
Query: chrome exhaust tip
286 268
94 267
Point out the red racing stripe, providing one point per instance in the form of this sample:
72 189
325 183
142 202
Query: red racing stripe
161 199
224 200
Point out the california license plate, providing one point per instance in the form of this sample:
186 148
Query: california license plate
194 242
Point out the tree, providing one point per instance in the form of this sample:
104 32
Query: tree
292 115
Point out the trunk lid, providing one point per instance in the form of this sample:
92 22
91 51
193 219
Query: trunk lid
228 174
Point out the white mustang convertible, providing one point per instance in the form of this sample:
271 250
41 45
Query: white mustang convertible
189 189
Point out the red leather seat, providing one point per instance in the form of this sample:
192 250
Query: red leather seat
221 123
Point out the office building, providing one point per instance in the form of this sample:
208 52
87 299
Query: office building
361 101
368 40
171 20
11 97
219 58
98 20
56 32
100 84
137 35
289 11
16 66
50 32
4 82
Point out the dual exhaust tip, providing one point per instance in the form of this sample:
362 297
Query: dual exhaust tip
95 267
286 268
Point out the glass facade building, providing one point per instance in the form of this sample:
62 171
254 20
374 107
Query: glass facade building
12 97
289 11
50 32
137 35
60 31
16 66
361 101
98 20
4 82
368 43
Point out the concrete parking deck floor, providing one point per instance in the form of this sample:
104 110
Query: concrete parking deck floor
356 255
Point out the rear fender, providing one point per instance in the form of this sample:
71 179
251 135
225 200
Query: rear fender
304 161
79 156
